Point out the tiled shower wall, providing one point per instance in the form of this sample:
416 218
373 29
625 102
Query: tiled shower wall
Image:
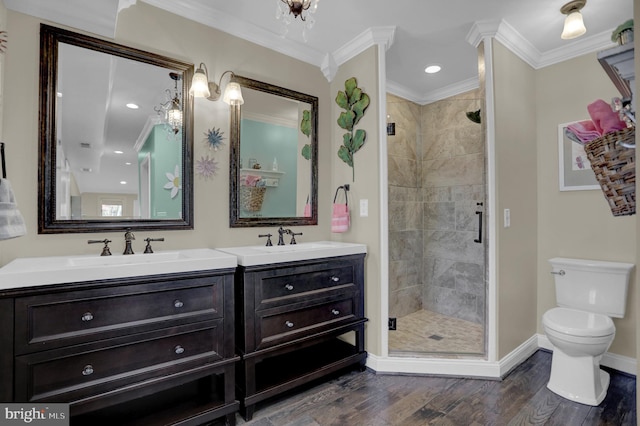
436 178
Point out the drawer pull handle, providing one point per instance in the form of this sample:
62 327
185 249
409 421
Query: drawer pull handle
87 316
289 324
179 349
288 287
335 312
334 279
87 370
178 303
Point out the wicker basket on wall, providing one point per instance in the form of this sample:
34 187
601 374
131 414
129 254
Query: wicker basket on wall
251 198
612 158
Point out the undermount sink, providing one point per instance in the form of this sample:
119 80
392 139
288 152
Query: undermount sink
33 271
264 255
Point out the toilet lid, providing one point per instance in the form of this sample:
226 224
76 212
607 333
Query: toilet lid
578 323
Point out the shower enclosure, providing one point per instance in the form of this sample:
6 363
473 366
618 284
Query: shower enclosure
437 280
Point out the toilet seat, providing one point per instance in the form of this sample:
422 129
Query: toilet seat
578 323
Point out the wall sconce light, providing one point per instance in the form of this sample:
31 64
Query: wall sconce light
573 23
201 87
171 109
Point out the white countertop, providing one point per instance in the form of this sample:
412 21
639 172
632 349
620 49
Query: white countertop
35 271
265 255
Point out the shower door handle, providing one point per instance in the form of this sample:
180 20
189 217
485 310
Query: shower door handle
479 213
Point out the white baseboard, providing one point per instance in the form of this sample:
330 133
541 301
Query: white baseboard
479 368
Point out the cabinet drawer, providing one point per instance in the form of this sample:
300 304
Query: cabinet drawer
58 375
278 327
44 322
290 282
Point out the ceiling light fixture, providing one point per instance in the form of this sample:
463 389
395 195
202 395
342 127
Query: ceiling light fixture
171 109
573 23
131 105
432 69
201 87
286 8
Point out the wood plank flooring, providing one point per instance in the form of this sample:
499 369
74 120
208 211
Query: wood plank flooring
521 398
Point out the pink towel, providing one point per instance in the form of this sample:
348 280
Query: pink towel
249 180
604 117
584 130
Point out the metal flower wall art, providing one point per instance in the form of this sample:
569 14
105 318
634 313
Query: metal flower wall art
174 183
214 138
206 167
354 102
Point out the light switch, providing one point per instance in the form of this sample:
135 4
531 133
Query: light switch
507 218
364 208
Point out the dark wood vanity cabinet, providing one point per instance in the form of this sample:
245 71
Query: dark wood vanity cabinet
144 350
297 322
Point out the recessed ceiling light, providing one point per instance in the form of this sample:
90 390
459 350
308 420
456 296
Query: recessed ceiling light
118 152
59 94
127 163
123 182
432 69
132 106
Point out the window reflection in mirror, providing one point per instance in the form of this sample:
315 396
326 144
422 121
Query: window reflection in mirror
273 157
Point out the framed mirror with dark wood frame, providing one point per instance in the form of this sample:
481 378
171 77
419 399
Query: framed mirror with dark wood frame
273 157
116 137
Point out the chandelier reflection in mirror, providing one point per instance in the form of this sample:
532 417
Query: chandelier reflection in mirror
302 8
170 112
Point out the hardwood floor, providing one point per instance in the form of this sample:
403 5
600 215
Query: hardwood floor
521 398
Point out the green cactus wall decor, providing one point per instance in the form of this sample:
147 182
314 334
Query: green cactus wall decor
354 102
305 128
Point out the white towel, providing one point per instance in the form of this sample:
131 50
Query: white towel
11 221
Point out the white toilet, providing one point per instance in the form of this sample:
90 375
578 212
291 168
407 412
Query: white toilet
588 293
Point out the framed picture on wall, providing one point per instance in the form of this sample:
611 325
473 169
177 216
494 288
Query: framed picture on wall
575 172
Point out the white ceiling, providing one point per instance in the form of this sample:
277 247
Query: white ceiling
420 32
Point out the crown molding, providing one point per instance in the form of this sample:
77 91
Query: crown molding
451 90
206 14
97 17
380 36
399 90
579 47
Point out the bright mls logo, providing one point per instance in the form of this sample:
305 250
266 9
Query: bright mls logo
34 414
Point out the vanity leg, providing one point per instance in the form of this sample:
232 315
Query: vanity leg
249 381
247 412
231 419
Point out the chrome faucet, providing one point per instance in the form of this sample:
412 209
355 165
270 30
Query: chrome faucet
105 249
128 237
281 232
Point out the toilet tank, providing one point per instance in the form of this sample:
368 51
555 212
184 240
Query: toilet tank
592 285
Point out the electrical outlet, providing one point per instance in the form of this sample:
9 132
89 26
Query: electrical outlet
364 208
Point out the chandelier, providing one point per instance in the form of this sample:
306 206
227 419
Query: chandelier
171 111
302 8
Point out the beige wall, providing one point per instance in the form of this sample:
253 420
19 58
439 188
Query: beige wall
576 223
515 152
157 31
365 230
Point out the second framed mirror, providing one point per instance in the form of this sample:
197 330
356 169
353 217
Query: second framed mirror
274 157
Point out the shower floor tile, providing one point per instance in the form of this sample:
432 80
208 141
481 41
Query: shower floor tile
455 336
